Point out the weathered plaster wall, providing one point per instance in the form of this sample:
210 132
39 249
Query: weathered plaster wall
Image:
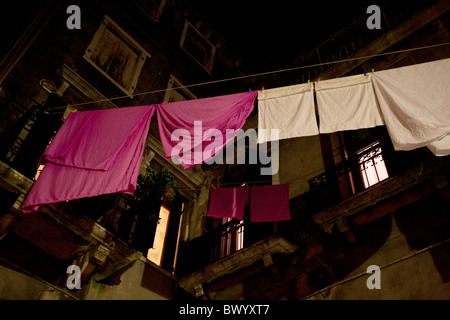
138 281
405 274
300 160
15 285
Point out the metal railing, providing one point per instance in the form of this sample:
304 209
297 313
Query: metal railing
227 239
360 171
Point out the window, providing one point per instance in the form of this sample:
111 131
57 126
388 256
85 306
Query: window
197 46
173 95
372 166
152 9
232 237
155 254
116 55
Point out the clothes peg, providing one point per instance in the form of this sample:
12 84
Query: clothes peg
249 90
307 82
318 80
365 72
373 71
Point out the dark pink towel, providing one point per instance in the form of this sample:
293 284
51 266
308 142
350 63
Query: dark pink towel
94 152
221 113
228 203
269 203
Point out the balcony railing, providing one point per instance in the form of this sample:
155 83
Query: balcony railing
219 243
226 240
360 171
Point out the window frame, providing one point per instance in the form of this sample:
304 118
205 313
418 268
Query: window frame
189 26
129 41
153 13
370 159
172 86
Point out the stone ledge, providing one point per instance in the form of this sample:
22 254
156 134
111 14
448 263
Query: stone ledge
13 180
236 261
338 214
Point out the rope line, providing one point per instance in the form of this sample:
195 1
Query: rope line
257 74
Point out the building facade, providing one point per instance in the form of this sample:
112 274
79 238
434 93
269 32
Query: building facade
355 202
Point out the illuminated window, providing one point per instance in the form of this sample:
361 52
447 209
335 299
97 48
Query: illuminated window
155 254
232 238
372 166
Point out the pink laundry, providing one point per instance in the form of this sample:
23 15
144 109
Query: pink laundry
228 203
94 152
215 113
269 203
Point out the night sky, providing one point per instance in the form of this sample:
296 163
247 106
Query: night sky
271 34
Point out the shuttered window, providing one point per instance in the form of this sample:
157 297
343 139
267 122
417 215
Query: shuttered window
117 56
198 47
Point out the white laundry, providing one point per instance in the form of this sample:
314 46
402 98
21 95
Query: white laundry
347 103
440 147
289 109
415 103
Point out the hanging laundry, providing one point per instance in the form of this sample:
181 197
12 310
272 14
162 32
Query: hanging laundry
441 147
200 128
347 103
415 102
269 203
94 152
288 109
228 203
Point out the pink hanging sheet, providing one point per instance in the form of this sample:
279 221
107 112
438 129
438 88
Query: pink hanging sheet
215 115
228 203
94 152
269 203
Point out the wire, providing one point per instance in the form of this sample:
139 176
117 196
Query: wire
359 275
39 279
257 74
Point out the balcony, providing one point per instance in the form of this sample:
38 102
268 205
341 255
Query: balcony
252 259
370 179
82 233
366 186
360 171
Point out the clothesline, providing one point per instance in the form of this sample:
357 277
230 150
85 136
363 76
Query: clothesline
216 186
253 75
99 151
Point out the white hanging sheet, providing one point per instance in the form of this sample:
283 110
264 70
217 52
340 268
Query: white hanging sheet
440 147
347 103
289 109
415 103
